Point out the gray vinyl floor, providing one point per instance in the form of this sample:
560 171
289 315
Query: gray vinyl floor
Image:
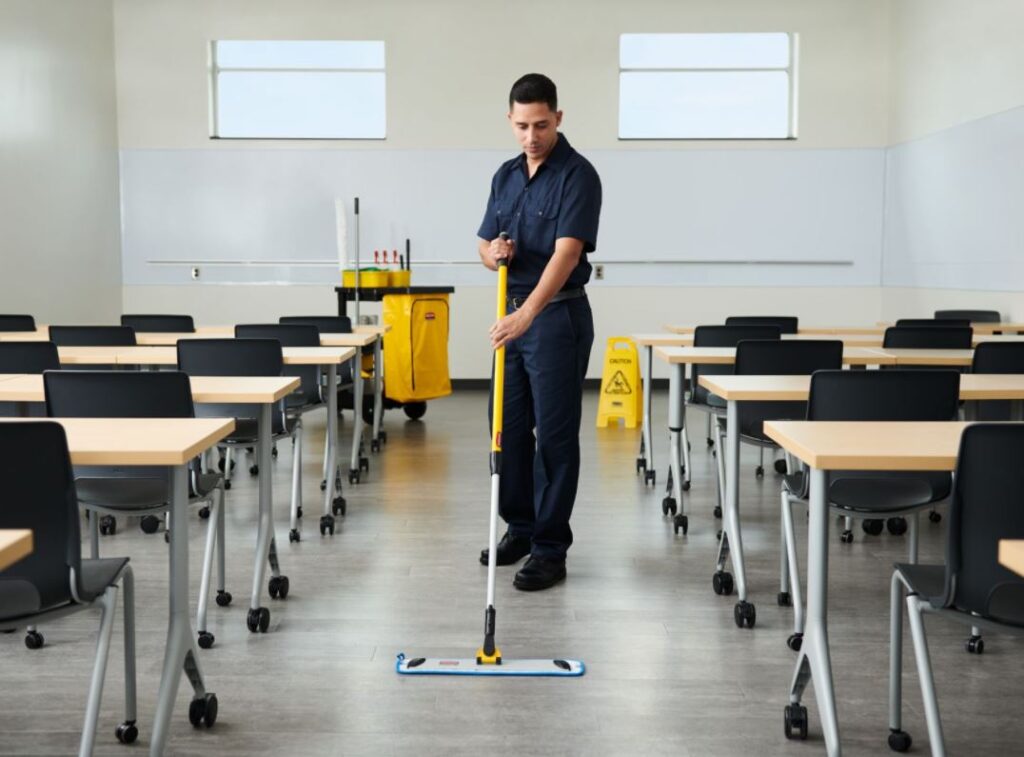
668 672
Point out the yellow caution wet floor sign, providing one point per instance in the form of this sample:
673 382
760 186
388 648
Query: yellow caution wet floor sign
621 393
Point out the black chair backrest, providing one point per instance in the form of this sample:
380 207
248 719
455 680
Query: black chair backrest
327 324
788 324
230 357
118 394
92 336
39 494
986 507
17 323
785 357
160 323
928 337
997 357
971 316
897 395
722 336
928 322
290 335
28 357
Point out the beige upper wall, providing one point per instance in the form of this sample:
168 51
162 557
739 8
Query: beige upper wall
450 63
61 246
953 61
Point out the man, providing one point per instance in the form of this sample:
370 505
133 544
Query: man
547 200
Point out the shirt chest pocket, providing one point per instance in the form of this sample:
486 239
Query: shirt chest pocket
543 207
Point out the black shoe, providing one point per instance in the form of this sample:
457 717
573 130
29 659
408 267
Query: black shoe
539 573
511 549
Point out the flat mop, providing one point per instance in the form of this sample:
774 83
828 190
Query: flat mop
488 661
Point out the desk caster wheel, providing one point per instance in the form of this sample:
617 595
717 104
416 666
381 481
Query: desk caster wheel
896 526
846 537
784 600
680 522
759 471
273 452
339 506
717 512
34 640
108 525
364 464
641 465
780 467
203 711
374 445
204 512
668 505
293 535
794 721
872 526
278 587
149 524
353 477
223 598
651 477
900 741
721 582
258 619
686 486
326 525
711 442
205 639
975 645
935 517
227 484
745 614
384 437
795 641
127 733
254 470
323 485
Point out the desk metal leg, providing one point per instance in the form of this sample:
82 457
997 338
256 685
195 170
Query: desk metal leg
379 436
334 502
180 653
675 428
358 463
815 660
645 460
258 618
731 545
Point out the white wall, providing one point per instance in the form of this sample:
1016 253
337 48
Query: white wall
60 234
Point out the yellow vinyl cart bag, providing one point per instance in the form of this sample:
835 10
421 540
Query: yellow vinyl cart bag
416 347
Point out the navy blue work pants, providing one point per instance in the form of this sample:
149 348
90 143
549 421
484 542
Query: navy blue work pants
544 371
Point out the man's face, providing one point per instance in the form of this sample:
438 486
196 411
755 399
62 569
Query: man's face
536 128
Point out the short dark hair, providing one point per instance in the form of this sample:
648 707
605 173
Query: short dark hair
534 88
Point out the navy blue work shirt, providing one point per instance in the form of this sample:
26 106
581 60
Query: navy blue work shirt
563 199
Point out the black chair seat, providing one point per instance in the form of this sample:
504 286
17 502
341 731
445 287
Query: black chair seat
98 575
873 495
122 493
796 484
928 581
247 431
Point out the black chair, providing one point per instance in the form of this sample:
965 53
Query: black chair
328 324
897 395
166 324
996 357
971 316
928 337
27 357
928 322
17 323
54 581
788 324
139 490
92 336
972 587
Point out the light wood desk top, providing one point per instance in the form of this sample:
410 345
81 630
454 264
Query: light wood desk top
88 355
952 358
687 328
979 328
879 445
973 386
379 329
138 441
41 334
661 339
205 389
979 338
169 355
1011 555
848 339
15 543
727 355
164 339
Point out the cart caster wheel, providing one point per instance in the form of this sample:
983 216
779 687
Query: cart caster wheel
745 614
293 535
641 465
896 526
34 640
680 522
668 505
717 512
273 452
374 445
227 484
150 524
254 470
278 587
339 506
794 721
353 477
108 525
975 645
900 741
323 485
795 641
935 517
650 477
686 486
203 711
127 733
326 524
204 512
846 537
258 619
223 598
783 599
721 582
780 467
872 526
415 410
759 471
205 639
364 464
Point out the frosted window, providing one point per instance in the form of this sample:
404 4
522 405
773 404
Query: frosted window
703 51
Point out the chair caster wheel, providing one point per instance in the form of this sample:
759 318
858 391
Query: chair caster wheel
686 486
223 598
108 525
718 535
293 536
680 523
668 505
353 477
374 445
258 619
872 526
220 465
254 470
278 587
975 645
149 524
227 484
745 614
794 721
900 741
711 442
298 511
780 467
641 465
934 516
273 452
339 506
203 711
896 526
717 512
795 641
326 525
364 464
34 640
127 733
651 477
204 512
205 639
759 471
721 582
784 600
846 537
323 485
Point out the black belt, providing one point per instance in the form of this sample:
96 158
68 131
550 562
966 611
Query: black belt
565 294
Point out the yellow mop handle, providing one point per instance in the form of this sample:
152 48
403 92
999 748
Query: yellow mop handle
499 363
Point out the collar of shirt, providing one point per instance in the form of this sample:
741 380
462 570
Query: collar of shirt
561 152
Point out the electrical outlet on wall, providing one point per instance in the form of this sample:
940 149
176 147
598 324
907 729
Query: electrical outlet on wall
599 272
195 274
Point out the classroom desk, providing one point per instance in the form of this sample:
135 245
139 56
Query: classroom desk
826 446
918 356
979 328
688 328
169 443
15 543
1011 555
